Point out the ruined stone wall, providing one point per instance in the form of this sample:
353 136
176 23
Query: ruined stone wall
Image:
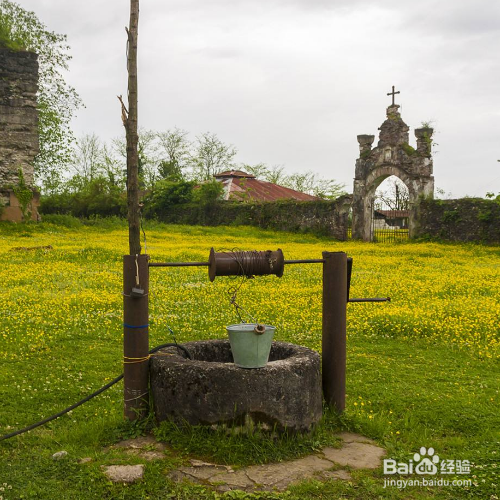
18 124
466 219
322 217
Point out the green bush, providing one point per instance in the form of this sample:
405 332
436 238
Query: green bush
97 197
208 193
62 220
166 195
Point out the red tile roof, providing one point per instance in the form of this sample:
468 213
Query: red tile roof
245 187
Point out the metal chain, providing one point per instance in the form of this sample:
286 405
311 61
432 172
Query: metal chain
233 292
238 256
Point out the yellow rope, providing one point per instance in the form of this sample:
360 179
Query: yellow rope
128 360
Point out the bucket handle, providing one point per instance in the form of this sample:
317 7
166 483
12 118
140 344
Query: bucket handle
259 329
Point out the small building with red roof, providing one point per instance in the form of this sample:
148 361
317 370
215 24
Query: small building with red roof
240 186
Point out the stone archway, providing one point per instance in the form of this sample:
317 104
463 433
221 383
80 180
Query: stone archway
392 156
373 181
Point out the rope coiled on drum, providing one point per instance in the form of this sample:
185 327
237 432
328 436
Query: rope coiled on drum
252 263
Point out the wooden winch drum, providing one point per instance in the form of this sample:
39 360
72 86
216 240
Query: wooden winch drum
246 263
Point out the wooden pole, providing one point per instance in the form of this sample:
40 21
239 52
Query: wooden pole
135 266
334 328
135 336
130 121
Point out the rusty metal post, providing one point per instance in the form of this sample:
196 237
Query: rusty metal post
135 336
334 328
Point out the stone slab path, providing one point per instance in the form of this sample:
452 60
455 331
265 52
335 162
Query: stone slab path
356 452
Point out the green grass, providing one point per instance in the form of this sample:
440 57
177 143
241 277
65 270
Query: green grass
407 387
228 445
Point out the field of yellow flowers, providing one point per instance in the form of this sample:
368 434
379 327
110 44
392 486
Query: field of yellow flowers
61 335
441 293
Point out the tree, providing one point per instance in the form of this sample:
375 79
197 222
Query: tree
395 195
303 182
441 194
306 182
113 168
328 189
88 157
211 156
276 175
57 101
492 196
176 152
260 170
148 156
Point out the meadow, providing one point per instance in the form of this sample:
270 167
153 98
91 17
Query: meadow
423 370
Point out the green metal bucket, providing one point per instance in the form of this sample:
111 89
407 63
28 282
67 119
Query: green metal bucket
250 349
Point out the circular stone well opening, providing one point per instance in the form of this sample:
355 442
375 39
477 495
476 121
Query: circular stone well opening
210 389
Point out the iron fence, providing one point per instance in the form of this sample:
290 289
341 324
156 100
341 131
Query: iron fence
389 224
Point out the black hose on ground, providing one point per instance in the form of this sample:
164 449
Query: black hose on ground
89 397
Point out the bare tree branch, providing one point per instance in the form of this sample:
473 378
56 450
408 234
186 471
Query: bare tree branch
124 111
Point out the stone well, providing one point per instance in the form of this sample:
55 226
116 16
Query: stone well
210 389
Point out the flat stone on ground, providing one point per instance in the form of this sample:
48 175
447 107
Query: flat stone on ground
356 455
59 455
203 473
232 481
282 474
145 447
124 473
350 437
334 474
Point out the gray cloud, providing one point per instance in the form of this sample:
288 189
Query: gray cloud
220 52
294 81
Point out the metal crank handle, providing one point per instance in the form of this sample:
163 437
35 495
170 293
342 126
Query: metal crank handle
381 299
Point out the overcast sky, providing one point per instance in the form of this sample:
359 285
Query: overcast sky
292 82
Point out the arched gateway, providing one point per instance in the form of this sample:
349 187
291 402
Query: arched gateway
392 156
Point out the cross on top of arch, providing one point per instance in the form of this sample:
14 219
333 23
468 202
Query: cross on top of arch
393 93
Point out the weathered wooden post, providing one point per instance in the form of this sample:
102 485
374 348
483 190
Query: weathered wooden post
334 328
135 336
135 265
